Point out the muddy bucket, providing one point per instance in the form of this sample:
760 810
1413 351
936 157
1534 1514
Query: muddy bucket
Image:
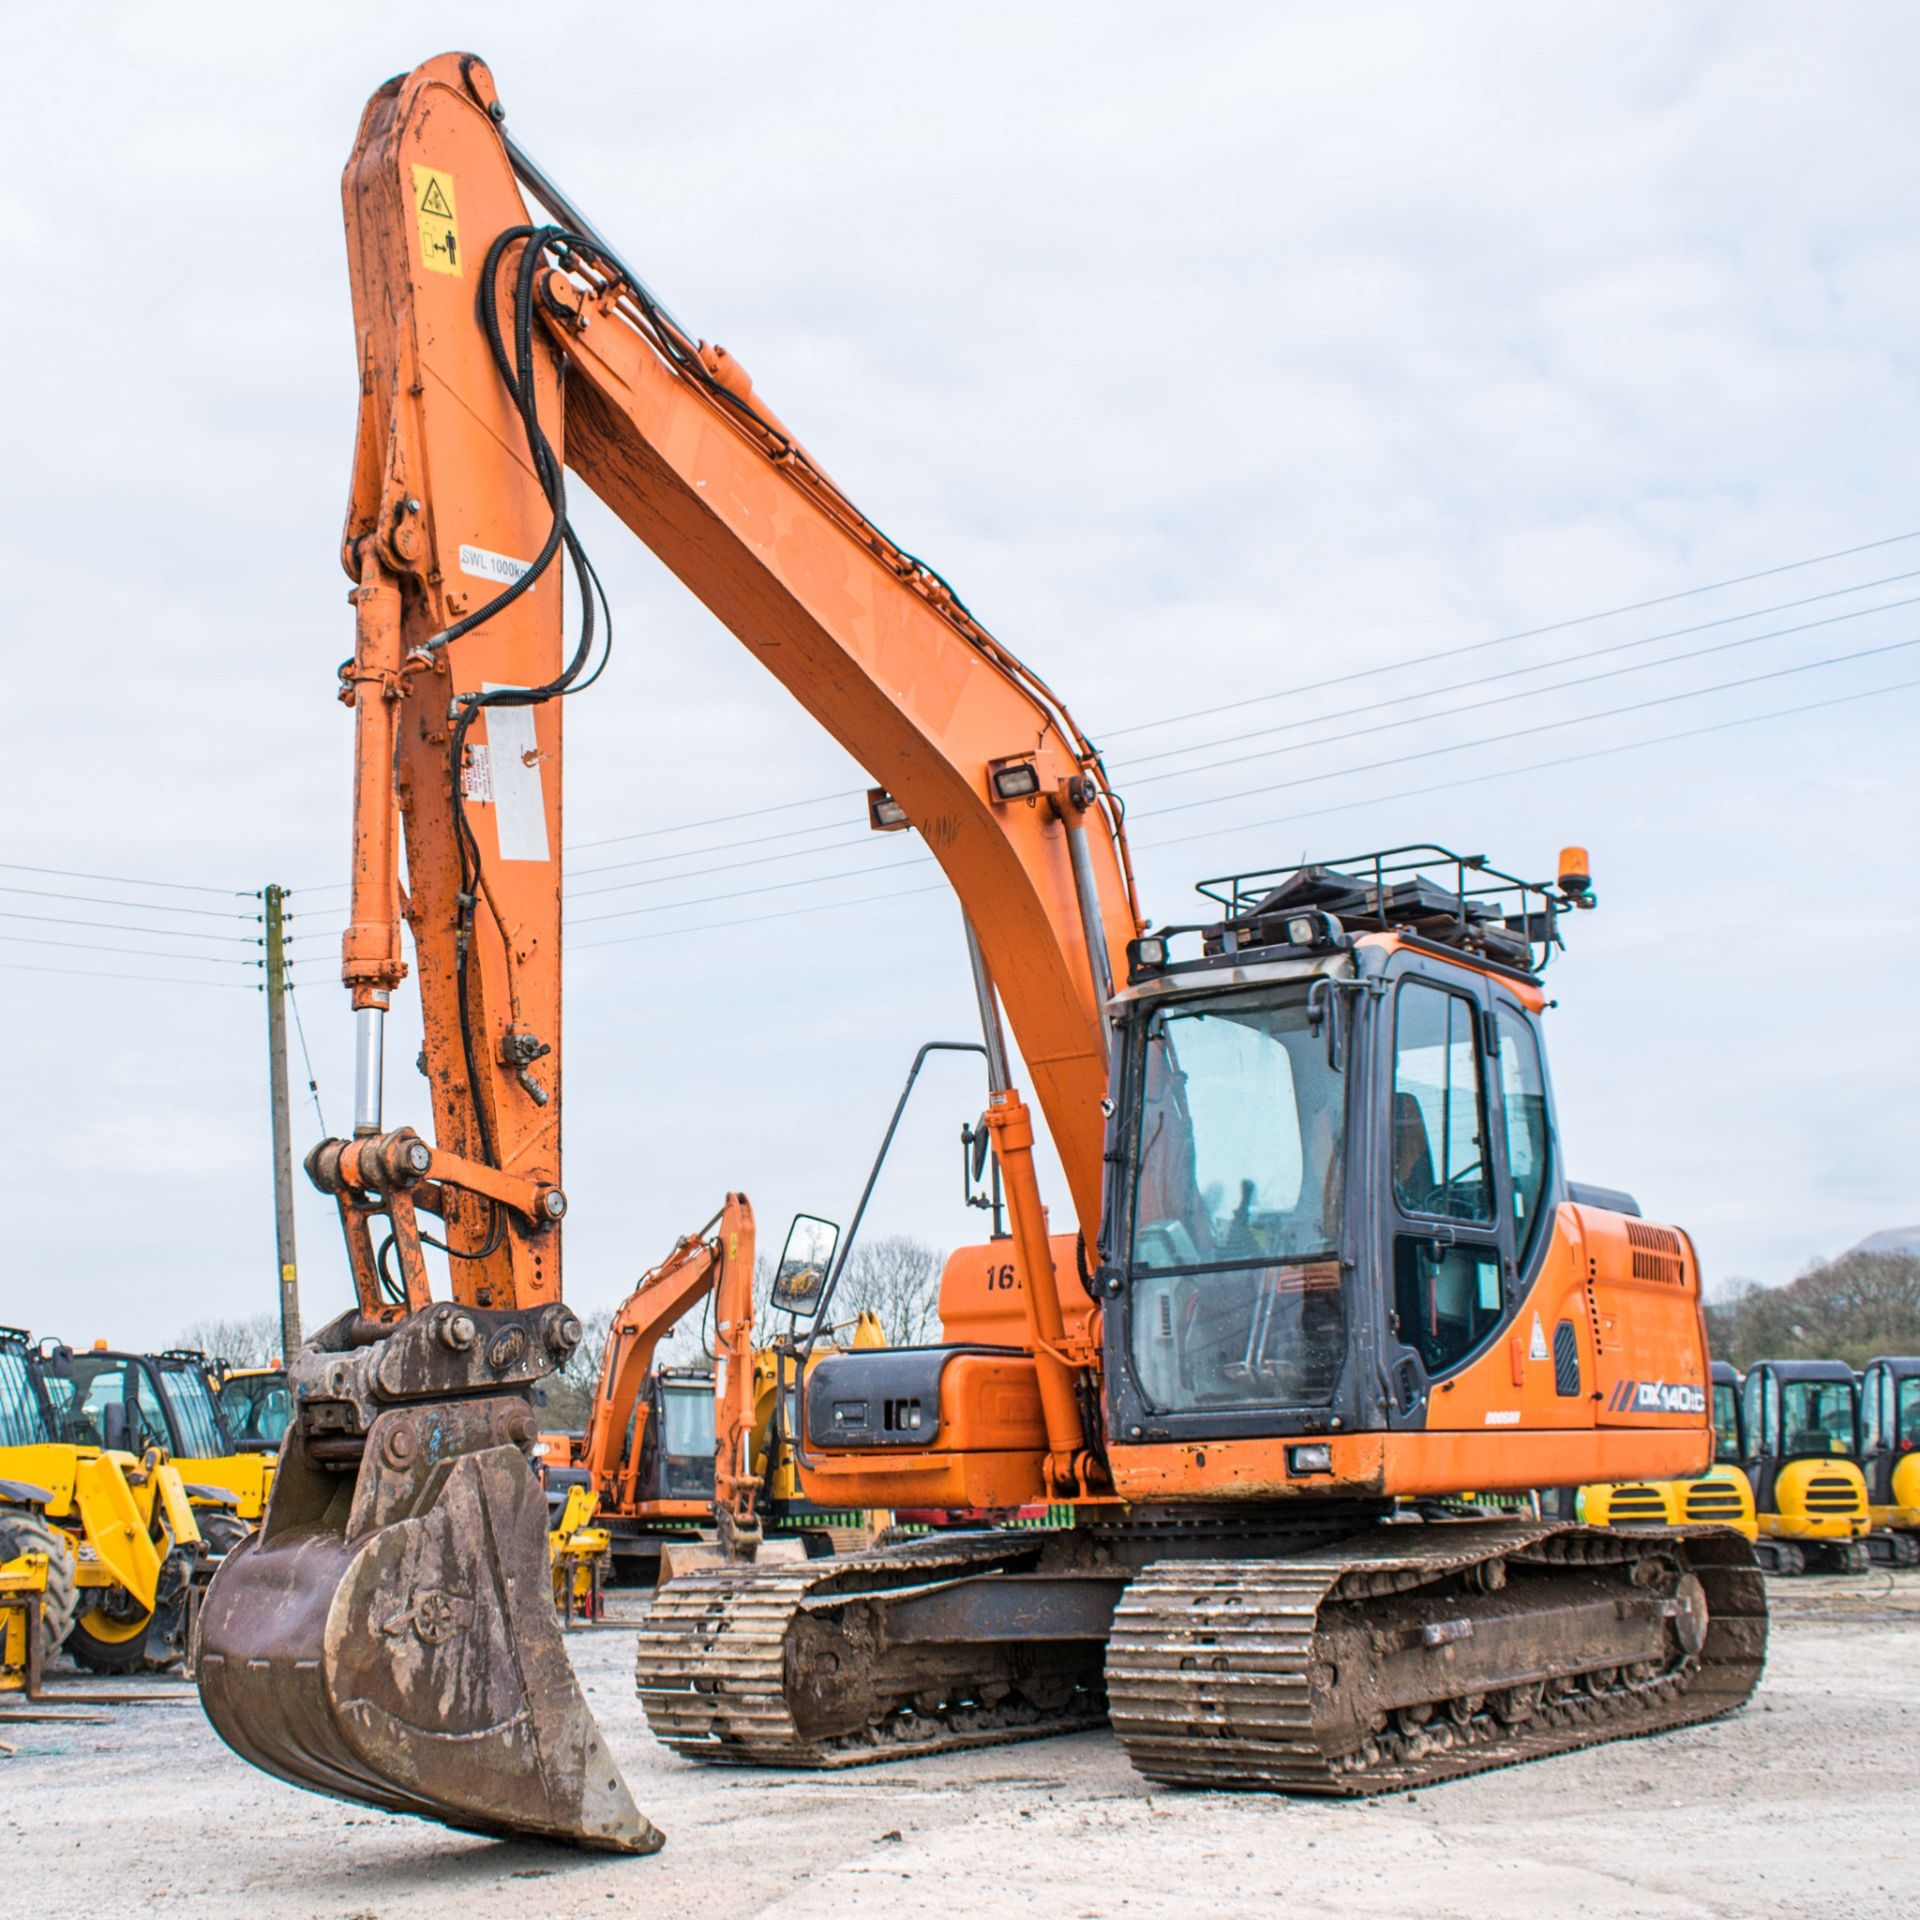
388 1637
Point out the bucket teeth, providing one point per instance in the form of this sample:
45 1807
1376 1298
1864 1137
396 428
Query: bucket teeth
389 1638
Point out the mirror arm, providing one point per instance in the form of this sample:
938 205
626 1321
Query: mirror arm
846 1246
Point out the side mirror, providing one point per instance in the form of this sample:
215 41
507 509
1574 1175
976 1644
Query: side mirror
115 1428
805 1261
978 1140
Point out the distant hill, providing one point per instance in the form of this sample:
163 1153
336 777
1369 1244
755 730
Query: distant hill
1905 1240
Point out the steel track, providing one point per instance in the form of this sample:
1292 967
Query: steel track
1217 1676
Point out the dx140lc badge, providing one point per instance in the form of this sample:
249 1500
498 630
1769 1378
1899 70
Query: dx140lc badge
1657 1396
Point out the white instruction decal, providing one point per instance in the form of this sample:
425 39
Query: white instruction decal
501 568
520 808
1537 1350
476 777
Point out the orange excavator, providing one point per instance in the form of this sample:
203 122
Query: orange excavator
1318 1254
621 1452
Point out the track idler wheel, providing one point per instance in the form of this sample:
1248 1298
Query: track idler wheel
388 1636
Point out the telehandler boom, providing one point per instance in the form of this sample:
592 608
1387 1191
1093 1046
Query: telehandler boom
1319 1250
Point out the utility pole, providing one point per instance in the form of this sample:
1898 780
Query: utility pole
275 898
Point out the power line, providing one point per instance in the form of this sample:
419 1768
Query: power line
1507 639
769 859
726 866
116 926
755 919
719 846
93 973
1392 666
123 879
132 906
150 953
860 839
1543 726
1340 806
779 886
1566 659
1336 773
1538 766
1525 693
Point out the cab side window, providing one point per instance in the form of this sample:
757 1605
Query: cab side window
1439 1107
1523 1091
1446 1300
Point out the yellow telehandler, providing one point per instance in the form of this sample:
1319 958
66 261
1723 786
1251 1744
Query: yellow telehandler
119 1595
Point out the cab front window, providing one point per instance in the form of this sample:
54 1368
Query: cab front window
1818 1417
1235 1272
687 1421
20 1421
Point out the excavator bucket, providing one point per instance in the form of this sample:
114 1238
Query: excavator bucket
388 1636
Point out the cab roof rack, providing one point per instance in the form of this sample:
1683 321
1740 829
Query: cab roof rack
1447 899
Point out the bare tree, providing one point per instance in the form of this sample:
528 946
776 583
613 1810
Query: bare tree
249 1341
898 1279
1850 1309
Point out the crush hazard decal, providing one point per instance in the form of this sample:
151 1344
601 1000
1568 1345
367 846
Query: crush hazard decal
439 224
1656 1396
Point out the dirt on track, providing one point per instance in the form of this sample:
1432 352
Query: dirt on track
1806 1804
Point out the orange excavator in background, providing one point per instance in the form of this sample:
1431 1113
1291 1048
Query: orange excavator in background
668 1452
1318 1250
629 1404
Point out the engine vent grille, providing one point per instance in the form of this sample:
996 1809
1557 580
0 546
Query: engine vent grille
1566 1361
1833 1493
1713 1500
1637 1503
1656 1254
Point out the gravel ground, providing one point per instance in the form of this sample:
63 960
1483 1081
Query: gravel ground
1806 1804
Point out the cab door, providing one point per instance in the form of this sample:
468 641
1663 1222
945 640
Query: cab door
1760 1407
1877 1432
1447 1212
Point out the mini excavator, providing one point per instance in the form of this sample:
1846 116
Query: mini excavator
1319 1253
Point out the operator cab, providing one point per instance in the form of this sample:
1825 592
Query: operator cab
1799 1410
676 1455
1890 1439
127 1403
23 1409
1334 1148
256 1408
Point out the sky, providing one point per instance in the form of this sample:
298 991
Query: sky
1212 356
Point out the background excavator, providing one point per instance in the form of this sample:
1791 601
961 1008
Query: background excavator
672 1452
1318 1249
1890 1455
1800 1430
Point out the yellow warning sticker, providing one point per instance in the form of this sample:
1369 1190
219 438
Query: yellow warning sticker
439 225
